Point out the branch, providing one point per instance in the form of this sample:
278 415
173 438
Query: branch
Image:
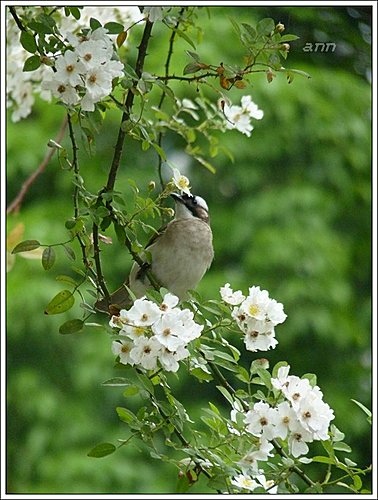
17 19
167 63
15 206
128 105
142 52
75 166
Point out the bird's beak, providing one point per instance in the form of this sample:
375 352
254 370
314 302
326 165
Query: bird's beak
177 197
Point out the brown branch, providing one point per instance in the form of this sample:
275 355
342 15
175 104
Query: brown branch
15 205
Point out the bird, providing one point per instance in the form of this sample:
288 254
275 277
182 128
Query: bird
180 254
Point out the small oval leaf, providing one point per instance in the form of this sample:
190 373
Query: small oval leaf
26 246
63 301
102 450
71 326
121 38
32 63
27 40
48 258
114 28
70 253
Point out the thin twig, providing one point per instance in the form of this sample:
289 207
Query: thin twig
76 169
15 205
163 95
17 19
128 105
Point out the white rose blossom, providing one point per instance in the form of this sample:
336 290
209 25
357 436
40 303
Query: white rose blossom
156 334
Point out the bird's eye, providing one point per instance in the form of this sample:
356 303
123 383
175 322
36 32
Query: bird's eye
194 201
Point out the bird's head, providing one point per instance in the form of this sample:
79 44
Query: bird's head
188 206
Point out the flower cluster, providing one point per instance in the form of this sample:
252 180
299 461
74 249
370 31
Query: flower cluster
154 334
239 117
256 315
23 85
85 74
300 418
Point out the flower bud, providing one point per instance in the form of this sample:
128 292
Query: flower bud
280 27
285 47
151 185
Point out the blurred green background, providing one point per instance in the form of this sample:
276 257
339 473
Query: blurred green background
292 214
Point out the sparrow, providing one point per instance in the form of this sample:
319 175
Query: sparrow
181 253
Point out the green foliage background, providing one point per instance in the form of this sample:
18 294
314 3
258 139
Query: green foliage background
291 213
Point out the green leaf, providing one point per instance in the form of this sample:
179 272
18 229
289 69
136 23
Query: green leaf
288 38
357 482
32 63
226 394
75 12
62 302
191 67
27 40
125 415
363 408
340 446
70 253
102 450
324 460
116 382
26 246
40 28
48 258
185 37
66 279
114 28
193 55
131 390
71 326
94 23
250 30
265 26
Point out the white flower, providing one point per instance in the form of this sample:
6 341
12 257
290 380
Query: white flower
180 181
275 312
259 341
154 13
286 421
63 91
144 312
248 106
98 83
169 331
91 54
239 117
119 321
268 485
296 389
132 331
256 304
169 303
261 420
244 482
145 352
169 360
69 69
249 463
315 415
231 297
282 378
122 349
297 440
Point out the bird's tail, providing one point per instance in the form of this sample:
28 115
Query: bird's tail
120 299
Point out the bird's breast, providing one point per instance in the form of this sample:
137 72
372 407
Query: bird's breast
181 256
